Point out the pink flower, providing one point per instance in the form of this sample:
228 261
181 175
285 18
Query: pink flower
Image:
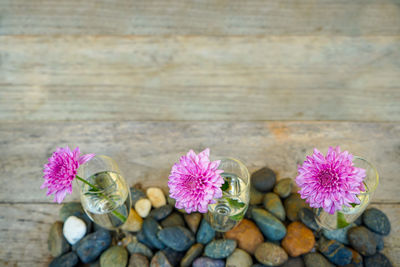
61 170
195 181
330 182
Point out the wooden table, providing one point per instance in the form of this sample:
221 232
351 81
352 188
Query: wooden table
145 81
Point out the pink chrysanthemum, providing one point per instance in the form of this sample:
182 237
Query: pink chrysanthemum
195 181
330 182
61 170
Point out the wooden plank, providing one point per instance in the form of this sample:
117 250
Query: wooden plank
24 229
200 78
208 17
145 151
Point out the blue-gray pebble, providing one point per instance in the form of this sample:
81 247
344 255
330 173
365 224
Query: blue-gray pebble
376 221
91 246
220 249
377 260
136 194
137 247
270 226
150 230
362 240
307 217
335 252
207 262
174 257
263 179
67 260
177 238
205 233
161 212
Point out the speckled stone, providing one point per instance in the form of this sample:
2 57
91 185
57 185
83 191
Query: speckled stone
270 254
362 240
273 204
376 221
299 239
247 235
138 260
205 233
239 258
284 187
208 262
115 256
176 237
263 179
315 259
220 249
377 260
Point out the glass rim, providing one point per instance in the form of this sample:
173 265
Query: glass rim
242 166
370 190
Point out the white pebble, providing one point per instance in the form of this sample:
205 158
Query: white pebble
74 229
143 207
156 196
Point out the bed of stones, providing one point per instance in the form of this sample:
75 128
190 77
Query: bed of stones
278 230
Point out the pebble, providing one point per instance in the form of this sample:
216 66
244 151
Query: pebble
160 260
339 234
307 217
56 242
315 259
161 212
273 204
270 254
137 247
174 257
336 252
205 233
156 196
220 249
247 235
357 259
207 262
379 242
143 207
293 204
174 219
193 253
362 240
115 256
193 221
376 221
263 179
239 258
134 222
298 240
377 260
256 197
150 230
92 245
358 221
284 187
136 194
171 201
69 209
270 226
293 262
138 260
142 238
67 260
177 237
74 229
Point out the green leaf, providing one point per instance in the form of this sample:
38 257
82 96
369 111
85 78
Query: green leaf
341 220
353 204
234 203
238 216
225 186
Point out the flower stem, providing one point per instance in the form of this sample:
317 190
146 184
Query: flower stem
116 213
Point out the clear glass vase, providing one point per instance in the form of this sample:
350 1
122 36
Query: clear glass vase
229 210
348 215
107 199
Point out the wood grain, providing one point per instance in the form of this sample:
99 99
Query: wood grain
200 78
208 17
25 227
145 151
